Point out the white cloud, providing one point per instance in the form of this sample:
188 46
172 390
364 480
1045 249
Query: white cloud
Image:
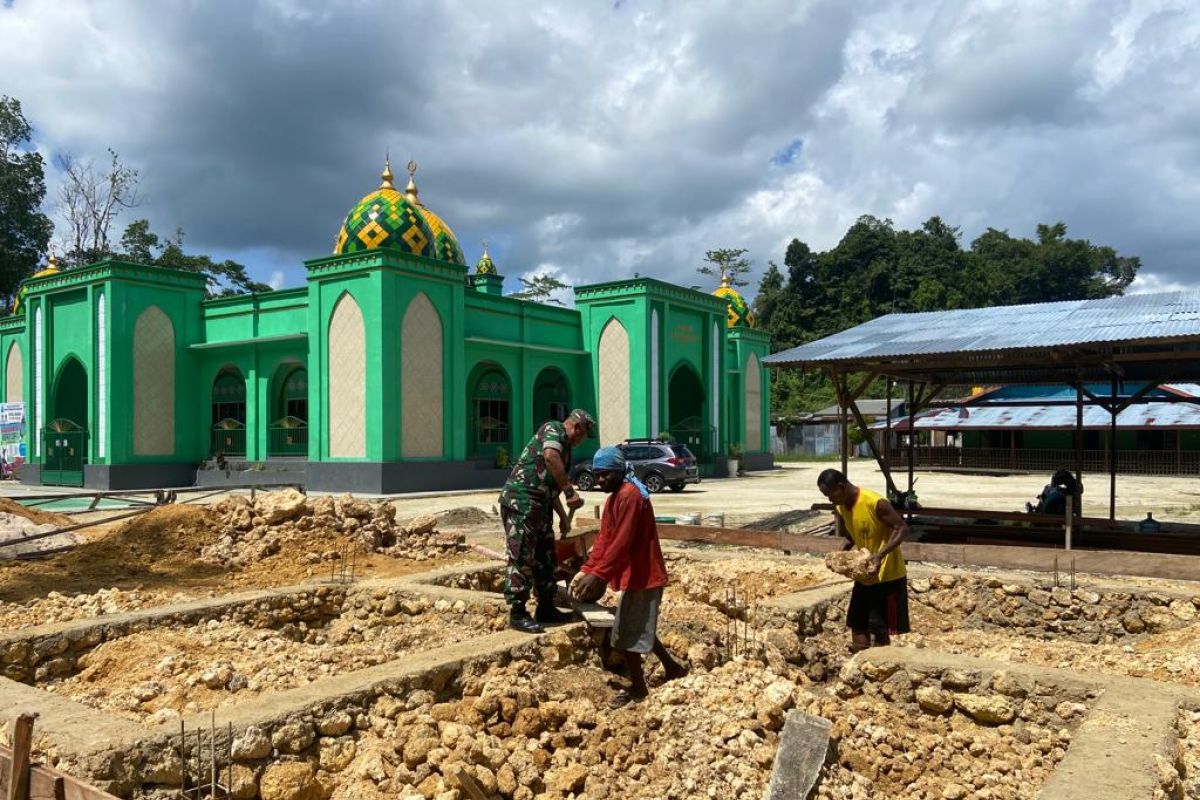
608 139
277 279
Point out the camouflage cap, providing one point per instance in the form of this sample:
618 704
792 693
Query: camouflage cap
581 417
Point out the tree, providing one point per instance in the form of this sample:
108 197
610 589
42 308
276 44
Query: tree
91 198
224 278
540 289
875 269
770 293
24 229
726 263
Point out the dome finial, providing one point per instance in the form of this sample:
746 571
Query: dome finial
52 261
411 190
726 281
485 266
387 173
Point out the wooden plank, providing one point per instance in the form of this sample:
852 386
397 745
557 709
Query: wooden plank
18 772
48 783
769 540
468 784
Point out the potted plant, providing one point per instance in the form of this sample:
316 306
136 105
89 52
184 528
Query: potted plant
734 459
501 458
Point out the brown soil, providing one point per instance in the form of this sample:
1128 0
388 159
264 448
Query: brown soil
10 506
159 551
216 663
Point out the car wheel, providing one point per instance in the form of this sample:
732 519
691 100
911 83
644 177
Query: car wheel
584 481
676 487
654 482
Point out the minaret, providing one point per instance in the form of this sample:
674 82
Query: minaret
485 278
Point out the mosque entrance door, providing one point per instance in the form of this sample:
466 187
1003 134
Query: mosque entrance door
685 412
64 440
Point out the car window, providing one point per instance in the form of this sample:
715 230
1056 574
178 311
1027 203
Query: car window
659 453
638 454
681 450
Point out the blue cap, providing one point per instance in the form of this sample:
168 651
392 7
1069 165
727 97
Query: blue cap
608 459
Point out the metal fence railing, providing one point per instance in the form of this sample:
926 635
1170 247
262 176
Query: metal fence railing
1129 462
288 437
227 441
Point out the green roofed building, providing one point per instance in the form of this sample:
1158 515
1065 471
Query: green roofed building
395 368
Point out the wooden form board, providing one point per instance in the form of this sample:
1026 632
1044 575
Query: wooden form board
47 783
771 540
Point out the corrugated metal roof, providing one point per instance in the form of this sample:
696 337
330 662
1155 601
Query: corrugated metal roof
966 418
1108 320
868 408
1041 392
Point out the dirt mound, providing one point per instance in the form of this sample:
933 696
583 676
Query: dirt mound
167 537
10 506
466 517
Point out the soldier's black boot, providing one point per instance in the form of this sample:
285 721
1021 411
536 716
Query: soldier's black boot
548 613
519 620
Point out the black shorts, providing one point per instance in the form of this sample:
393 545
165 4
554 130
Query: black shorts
879 607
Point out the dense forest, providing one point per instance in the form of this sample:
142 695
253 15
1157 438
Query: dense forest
876 269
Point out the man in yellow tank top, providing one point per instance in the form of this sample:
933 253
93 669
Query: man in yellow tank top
879 605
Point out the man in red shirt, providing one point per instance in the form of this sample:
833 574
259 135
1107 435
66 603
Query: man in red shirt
627 558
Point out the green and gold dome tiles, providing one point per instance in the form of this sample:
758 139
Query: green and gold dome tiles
485 265
738 313
385 218
445 243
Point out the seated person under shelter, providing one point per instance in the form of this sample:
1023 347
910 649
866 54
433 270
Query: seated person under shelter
1053 499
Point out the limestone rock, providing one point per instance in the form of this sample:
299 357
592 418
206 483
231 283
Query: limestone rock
854 564
277 507
335 724
294 737
290 780
251 745
570 778
336 754
934 700
986 708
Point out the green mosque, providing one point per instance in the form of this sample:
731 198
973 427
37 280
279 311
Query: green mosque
395 368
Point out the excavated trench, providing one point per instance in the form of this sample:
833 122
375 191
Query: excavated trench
401 690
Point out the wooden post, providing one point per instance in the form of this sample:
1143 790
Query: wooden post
1079 430
1112 453
1070 518
887 435
912 435
844 423
18 779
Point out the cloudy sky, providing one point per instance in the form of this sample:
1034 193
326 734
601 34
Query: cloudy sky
599 139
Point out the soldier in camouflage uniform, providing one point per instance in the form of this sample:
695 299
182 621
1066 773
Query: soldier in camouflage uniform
526 505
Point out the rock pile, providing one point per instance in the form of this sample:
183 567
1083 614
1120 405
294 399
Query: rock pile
1045 612
944 734
158 674
57 607
752 579
252 530
540 727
